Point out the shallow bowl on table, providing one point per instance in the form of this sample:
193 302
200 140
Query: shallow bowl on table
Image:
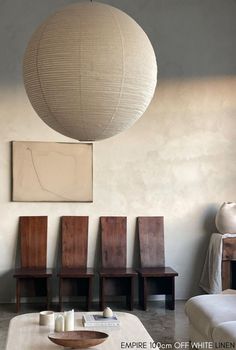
78 339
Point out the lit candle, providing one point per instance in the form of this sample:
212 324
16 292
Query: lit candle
69 320
59 324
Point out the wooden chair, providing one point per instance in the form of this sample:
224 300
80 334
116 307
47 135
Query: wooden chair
154 276
115 278
33 275
74 276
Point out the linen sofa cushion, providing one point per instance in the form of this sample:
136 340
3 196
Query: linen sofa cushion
225 332
205 312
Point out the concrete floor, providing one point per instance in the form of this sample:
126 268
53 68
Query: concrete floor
164 326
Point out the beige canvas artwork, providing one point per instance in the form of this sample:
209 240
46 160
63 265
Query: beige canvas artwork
52 172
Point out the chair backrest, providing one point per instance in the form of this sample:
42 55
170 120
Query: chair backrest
33 241
113 241
151 241
74 242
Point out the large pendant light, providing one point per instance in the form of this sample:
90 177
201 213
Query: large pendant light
90 71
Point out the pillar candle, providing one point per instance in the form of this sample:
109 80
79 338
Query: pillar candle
69 320
59 324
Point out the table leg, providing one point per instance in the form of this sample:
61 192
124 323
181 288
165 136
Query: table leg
226 274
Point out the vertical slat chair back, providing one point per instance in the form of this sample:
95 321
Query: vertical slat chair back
113 234
151 241
74 241
33 241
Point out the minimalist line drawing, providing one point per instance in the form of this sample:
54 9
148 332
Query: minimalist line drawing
52 172
38 177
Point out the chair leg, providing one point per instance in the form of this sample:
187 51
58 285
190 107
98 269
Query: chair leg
101 296
48 292
145 293
18 295
89 296
140 290
60 293
130 295
170 298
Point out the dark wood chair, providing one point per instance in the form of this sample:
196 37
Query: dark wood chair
33 276
115 278
154 277
74 276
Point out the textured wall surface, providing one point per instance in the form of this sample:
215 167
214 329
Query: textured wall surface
178 160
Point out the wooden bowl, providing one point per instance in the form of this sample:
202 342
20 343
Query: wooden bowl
78 339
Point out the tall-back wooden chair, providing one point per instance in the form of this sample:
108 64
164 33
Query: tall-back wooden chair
74 276
33 275
115 277
154 276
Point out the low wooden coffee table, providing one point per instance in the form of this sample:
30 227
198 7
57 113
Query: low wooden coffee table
25 334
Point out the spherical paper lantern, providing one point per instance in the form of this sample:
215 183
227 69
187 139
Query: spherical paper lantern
90 71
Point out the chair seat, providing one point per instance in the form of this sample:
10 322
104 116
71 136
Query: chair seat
157 272
117 272
66 272
24 272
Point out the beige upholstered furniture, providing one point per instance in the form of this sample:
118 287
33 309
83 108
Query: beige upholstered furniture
212 318
26 334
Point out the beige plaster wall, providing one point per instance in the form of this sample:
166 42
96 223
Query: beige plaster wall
177 161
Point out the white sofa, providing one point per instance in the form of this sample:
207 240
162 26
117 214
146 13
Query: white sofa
212 318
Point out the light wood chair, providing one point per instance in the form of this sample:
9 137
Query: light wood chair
74 276
33 276
154 276
115 277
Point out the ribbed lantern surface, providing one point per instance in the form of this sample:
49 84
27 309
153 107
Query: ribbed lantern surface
90 71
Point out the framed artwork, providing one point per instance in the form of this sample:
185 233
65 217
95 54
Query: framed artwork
52 172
